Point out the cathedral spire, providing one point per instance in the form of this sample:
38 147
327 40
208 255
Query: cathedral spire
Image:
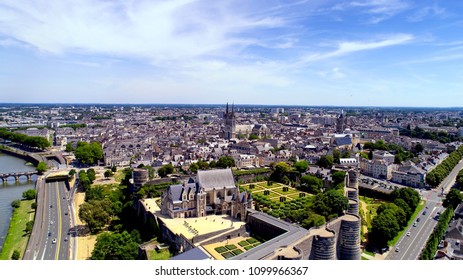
226 112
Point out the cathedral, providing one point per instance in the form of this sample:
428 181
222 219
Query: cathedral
232 130
230 123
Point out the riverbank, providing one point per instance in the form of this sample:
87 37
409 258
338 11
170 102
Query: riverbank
19 154
17 237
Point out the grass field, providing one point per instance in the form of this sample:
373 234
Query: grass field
159 255
17 238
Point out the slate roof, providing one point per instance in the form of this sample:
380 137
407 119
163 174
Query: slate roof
193 254
341 141
177 190
216 179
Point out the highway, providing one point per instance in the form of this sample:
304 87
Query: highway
50 237
409 247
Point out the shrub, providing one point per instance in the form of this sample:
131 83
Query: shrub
227 255
237 251
16 203
231 247
247 248
220 249
243 243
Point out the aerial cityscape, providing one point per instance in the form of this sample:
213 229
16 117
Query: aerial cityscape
231 130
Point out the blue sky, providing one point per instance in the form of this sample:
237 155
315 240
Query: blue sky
314 52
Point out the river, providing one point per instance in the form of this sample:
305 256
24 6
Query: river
11 190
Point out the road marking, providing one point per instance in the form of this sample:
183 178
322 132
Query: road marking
59 222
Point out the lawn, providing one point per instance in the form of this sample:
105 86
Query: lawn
159 255
17 238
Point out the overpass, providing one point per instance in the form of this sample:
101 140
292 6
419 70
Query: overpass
17 175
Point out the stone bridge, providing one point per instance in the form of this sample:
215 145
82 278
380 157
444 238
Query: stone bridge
17 175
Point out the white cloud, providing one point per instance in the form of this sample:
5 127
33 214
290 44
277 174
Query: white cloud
158 30
345 48
380 10
425 12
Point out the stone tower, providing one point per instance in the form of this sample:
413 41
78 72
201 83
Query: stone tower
341 123
230 123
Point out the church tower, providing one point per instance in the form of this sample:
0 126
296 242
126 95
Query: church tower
230 123
341 123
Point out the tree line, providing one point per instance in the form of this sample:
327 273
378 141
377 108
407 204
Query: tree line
435 177
31 141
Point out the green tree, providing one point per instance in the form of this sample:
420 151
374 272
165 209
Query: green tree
115 246
88 153
336 156
253 136
16 255
301 166
29 226
345 154
409 195
166 170
69 147
384 227
29 194
453 198
225 162
95 214
16 203
338 177
91 174
311 184
41 167
72 172
194 167
314 220
114 169
325 161
331 203
279 170
108 173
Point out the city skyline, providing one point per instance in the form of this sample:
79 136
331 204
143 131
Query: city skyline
309 53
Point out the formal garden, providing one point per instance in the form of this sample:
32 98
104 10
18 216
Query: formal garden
231 250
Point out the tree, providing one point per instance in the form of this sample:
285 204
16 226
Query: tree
311 184
453 198
409 195
69 147
325 161
345 154
29 226
253 136
108 173
116 246
314 220
330 203
114 169
279 170
370 155
95 214
29 194
225 162
336 156
384 227
91 174
338 177
194 167
16 255
399 213
16 203
72 172
166 170
88 153
41 167
301 166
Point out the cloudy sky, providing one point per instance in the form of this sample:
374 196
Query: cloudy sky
313 52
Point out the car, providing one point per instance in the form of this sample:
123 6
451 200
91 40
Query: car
424 213
65 213
53 241
418 220
49 234
397 249
51 205
66 239
414 224
51 222
408 233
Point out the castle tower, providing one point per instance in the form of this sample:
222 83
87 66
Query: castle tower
230 123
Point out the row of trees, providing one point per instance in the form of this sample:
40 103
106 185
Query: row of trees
435 177
392 217
400 153
222 162
31 141
417 132
430 249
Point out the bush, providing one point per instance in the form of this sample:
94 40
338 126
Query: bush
16 203
237 251
231 247
243 243
247 248
220 249
16 255
228 255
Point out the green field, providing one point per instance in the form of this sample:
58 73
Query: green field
17 238
159 255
